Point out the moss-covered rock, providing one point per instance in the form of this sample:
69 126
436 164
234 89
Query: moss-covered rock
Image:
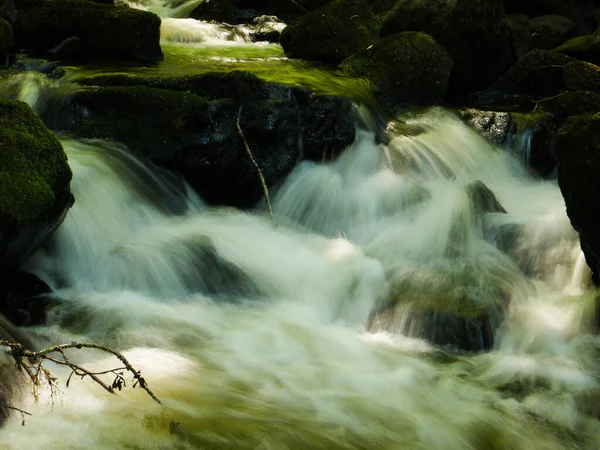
571 103
520 34
580 75
105 31
405 69
332 33
584 48
474 32
579 180
244 11
34 183
537 74
551 31
188 124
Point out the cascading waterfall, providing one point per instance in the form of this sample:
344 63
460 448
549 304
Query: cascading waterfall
310 336
256 338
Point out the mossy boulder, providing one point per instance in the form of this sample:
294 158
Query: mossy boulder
104 31
537 74
584 48
245 11
571 103
474 32
579 180
581 75
520 34
580 12
332 33
34 183
405 69
189 125
551 31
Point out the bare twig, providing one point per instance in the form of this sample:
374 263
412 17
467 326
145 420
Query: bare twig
258 169
32 363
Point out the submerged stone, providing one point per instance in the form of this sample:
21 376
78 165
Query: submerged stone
34 183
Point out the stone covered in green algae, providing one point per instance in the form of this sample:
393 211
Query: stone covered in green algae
33 167
584 48
332 33
405 69
114 32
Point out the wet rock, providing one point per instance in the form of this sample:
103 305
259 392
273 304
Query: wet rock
68 49
474 32
537 74
584 48
115 32
405 69
534 138
578 151
493 125
332 33
24 298
245 11
483 199
551 31
571 103
311 5
34 183
520 34
266 28
580 75
188 124
24 63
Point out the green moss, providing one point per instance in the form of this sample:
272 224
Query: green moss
32 166
585 48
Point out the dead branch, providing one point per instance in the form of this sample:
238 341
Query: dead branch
258 169
32 364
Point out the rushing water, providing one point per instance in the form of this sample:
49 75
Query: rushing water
262 338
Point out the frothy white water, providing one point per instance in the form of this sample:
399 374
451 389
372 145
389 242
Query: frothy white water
257 338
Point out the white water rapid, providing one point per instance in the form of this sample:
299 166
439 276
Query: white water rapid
256 338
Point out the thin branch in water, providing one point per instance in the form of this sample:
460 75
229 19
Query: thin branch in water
258 169
32 364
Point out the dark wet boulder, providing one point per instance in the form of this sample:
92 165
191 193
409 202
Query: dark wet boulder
104 31
520 34
579 180
482 198
537 74
474 32
189 125
34 183
493 125
266 28
6 38
584 48
405 69
332 33
24 298
245 11
580 75
551 31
